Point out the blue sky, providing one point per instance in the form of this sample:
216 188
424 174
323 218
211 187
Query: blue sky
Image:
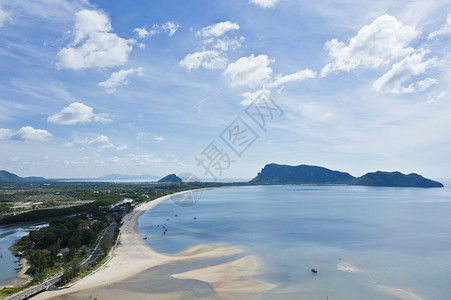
152 87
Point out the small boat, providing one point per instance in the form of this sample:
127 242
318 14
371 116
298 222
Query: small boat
314 271
145 238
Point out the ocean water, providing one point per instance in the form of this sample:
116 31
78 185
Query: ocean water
365 242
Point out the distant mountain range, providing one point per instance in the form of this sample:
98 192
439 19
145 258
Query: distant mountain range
122 176
283 174
305 174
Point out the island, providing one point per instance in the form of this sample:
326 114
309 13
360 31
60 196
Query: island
306 174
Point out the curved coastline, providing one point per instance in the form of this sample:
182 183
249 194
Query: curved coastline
133 256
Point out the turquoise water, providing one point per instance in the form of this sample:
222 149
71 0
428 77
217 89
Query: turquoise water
399 238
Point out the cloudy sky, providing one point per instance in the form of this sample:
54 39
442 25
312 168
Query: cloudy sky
155 87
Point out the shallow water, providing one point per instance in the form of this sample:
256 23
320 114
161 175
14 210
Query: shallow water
8 235
399 238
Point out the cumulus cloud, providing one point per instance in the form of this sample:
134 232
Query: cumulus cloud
208 59
250 71
94 45
214 45
264 3
445 29
412 65
295 77
376 44
169 27
217 29
119 78
29 134
78 113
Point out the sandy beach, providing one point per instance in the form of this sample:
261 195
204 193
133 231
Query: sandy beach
133 256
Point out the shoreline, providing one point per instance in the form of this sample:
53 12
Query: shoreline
133 256
21 279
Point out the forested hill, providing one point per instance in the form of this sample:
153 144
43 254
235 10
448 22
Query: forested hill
305 174
6 176
398 179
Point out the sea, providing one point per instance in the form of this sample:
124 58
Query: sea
364 242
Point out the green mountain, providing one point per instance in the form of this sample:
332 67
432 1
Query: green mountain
395 179
304 174
170 179
6 176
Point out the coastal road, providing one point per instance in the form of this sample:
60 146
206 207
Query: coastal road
98 249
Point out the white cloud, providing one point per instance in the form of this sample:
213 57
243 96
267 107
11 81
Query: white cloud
4 16
119 78
445 29
5 133
78 113
138 160
225 43
250 97
169 27
433 98
159 139
250 71
412 65
209 59
218 29
97 142
374 45
295 77
29 134
100 139
121 148
94 45
215 44
264 3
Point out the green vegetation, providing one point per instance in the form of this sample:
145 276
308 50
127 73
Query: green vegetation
304 174
395 179
61 244
170 179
